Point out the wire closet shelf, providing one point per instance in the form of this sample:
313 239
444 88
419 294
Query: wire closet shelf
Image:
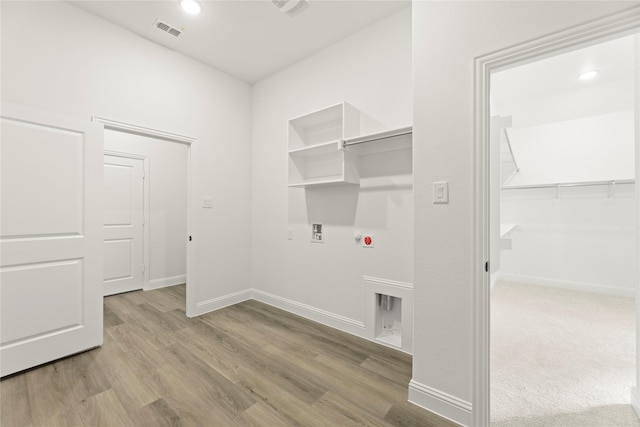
571 184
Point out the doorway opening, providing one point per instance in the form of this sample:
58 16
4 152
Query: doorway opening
162 242
616 190
563 270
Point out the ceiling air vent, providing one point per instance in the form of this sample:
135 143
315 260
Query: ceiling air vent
168 28
291 7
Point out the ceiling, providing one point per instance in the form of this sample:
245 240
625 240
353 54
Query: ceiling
248 39
555 79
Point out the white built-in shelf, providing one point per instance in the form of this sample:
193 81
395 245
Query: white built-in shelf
380 142
317 149
506 230
505 235
315 153
320 182
319 119
324 146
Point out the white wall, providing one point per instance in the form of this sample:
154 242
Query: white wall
582 239
566 105
592 148
447 36
59 58
372 71
167 177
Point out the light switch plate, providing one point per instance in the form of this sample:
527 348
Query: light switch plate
441 192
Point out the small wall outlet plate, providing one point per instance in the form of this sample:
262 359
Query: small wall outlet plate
367 240
316 233
207 202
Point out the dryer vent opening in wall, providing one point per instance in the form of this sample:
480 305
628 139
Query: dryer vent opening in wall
168 28
388 328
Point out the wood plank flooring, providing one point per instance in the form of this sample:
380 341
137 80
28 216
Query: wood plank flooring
245 365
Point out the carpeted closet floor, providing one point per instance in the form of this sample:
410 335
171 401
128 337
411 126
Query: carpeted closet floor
561 358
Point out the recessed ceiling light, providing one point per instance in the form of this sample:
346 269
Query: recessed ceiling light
588 75
192 7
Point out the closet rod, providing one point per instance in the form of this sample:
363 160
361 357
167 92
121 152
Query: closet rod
377 136
571 184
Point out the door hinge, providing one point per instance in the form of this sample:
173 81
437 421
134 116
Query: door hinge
486 266
190 238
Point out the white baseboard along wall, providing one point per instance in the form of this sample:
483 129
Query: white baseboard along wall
166 282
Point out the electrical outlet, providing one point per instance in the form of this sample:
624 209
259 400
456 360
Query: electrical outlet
207 202
316 233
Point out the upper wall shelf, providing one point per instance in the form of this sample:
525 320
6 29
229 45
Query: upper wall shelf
395 139
324 147
316 156
317 149
322 182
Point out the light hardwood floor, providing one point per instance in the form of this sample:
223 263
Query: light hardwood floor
245 365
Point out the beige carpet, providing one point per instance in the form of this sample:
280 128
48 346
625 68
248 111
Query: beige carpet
561 358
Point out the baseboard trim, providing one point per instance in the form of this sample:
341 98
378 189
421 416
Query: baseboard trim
327 318
324 317
441 403
567 284
493 280
221 302
166 282
635 402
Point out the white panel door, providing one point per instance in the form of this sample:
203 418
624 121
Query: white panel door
50 237
123 224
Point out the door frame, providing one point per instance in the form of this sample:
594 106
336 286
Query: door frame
610 27
146 206
192 147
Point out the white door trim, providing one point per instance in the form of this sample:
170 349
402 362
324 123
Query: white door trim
613 26
146 241
192 147
139 130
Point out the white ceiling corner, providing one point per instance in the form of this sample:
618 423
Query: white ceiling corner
248 39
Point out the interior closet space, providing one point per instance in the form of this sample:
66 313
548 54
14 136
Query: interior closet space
564 254
567 171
